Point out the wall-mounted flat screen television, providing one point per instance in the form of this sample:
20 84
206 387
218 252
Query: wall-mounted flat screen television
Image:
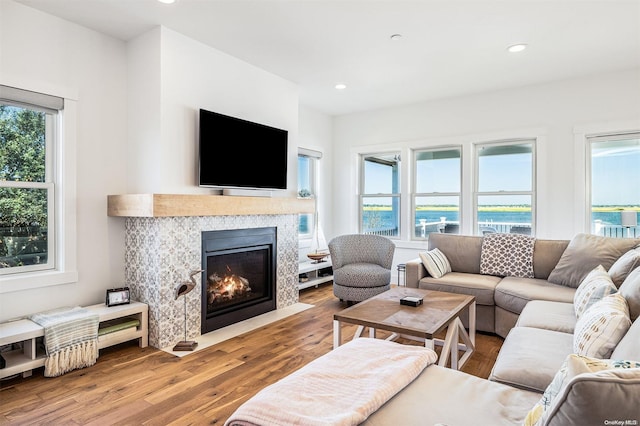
236 153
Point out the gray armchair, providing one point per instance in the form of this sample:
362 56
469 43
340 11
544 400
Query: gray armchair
361 266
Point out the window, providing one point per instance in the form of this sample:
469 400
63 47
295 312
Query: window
307 187
505 192
615 184
28 132
437 194
380 194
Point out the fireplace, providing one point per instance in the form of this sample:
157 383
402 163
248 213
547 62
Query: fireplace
239 275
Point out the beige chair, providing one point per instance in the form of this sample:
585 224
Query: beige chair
361 266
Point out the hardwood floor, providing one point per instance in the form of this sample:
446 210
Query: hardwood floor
133 386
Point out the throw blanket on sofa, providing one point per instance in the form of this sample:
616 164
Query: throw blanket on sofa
70 338
342 387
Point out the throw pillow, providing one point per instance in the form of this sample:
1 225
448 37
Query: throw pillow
630 290
596 285
622 267
507 255
585 252
580 374
601 327
435 262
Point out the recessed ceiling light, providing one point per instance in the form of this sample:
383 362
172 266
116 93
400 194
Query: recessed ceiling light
167 1
395 37
341 86
517 47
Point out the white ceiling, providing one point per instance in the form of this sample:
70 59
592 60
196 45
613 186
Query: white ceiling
449 47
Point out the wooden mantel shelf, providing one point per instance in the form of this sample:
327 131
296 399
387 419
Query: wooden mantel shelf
167 205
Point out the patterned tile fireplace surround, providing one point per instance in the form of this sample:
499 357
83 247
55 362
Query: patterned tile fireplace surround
160 253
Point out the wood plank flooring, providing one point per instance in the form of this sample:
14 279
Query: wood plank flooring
133 386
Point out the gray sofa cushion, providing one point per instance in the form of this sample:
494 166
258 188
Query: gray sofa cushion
462 251
630 290
589 391
629 346
513 293
554 316
625 264
584 253
530 357
546 254
480 286
443 396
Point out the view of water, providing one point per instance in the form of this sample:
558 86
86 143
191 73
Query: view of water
384 219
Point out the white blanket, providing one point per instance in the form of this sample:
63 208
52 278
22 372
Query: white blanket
70 337
342 387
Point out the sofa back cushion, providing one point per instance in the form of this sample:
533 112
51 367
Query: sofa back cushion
546 254
462 251
630 290
584 253
625 264
629 346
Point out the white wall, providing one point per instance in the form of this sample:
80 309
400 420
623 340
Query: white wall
316 132
44 53
136 124
550 111
185 76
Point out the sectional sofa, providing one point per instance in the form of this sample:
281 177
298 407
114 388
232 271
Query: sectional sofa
566 359
501 299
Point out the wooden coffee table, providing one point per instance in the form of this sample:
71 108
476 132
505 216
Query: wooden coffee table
439 311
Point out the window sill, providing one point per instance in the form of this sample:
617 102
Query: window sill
31 280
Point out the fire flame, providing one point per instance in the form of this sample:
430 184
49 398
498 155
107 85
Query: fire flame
221 289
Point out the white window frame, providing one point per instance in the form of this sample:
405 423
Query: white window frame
589 141
476 193
414 183
395 195
582 184
315 157
64 270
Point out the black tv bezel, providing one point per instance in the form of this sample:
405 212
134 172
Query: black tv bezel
280 186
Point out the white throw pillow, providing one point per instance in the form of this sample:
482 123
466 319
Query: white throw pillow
601 327
435 262
596 285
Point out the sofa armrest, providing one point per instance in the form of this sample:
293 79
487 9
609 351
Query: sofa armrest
414 272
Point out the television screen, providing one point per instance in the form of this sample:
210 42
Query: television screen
236 153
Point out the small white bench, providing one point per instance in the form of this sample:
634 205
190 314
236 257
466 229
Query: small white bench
26 331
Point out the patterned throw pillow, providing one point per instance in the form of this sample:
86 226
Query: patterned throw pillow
575 369
435 262
507 255
596 285
601 327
